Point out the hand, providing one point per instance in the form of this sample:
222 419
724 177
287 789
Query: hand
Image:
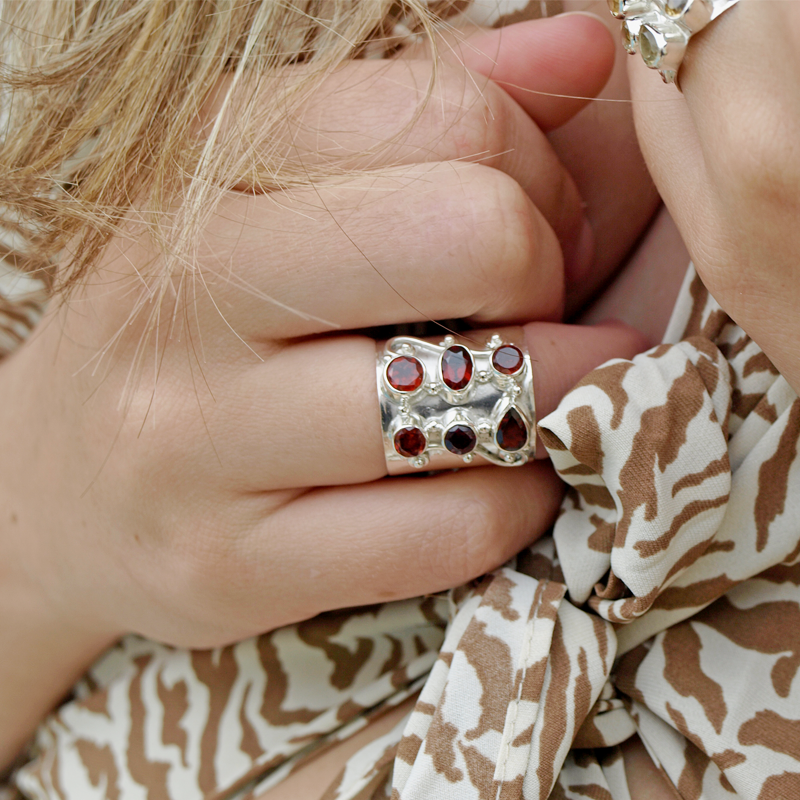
724 156
211 459
189 514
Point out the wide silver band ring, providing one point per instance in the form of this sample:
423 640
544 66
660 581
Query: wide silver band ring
660 30
443 405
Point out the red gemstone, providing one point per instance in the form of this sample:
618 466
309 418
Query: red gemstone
410 442
460 439
507 359
456 367
405 374
512 433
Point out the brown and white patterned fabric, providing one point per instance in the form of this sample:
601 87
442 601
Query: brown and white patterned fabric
22 300
666 603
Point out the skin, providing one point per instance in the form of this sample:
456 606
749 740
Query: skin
732 189
724 157
185 470
109 550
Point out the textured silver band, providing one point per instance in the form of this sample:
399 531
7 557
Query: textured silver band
444 404
659 30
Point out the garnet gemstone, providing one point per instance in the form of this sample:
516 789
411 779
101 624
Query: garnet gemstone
405 374
507 359
456 367
410 442
512 433
460 439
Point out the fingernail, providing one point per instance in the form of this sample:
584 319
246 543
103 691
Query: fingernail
580 255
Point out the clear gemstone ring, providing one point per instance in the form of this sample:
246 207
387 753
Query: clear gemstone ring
660 30
444 404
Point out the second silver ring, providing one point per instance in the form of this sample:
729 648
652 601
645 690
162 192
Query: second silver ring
660 30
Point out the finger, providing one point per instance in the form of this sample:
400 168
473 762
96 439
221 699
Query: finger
437 241
600 150
735 107
552 67
747 123
370 114
730 174
672 149
402 537
644 292
536 64
718 141
316 402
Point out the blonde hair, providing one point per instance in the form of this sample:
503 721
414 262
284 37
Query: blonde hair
101 100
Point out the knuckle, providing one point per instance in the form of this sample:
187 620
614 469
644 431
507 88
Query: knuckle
478 116
760 164
204 557
505 240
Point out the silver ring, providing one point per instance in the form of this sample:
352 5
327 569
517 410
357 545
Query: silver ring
444 404
659 30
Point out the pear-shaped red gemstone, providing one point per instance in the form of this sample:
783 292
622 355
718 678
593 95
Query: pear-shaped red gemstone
405 374
507 359
410 442
456 367
512 433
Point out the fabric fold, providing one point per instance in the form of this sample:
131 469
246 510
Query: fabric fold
644 447
679 462
516 677
180 724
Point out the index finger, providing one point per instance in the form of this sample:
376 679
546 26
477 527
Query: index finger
369 115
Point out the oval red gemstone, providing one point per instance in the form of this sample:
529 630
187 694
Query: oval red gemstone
456 367
512 433
410 442
460 439
507 359
405 374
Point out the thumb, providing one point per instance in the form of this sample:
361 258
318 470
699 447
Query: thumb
552 67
